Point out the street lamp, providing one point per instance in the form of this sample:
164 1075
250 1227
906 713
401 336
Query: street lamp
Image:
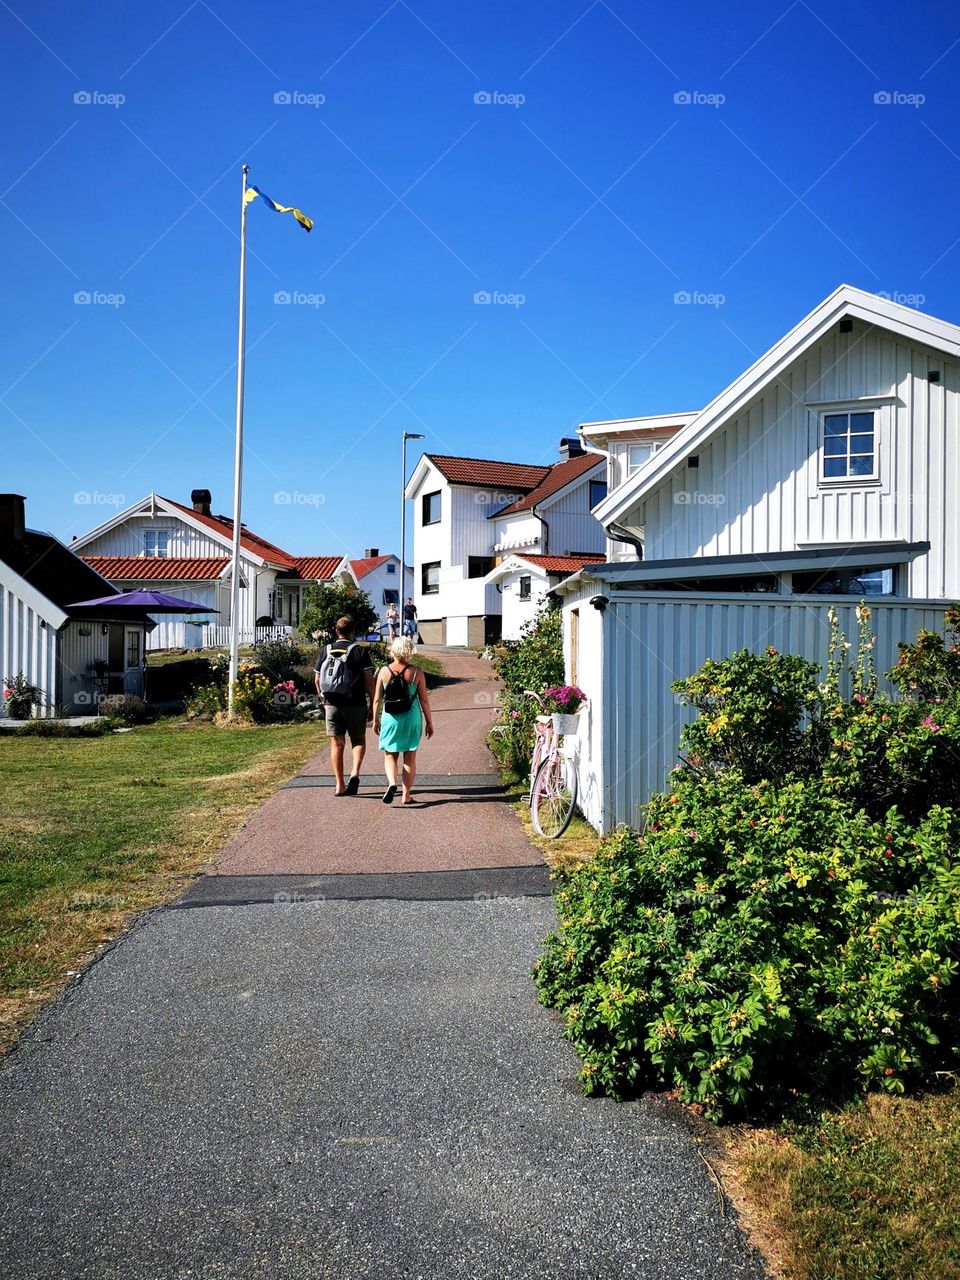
407 435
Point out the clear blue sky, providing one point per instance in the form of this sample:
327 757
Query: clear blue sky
596 198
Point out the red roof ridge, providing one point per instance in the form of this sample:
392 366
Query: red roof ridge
252 541
559 475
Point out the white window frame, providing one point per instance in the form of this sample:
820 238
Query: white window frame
848 410
157 553
630 469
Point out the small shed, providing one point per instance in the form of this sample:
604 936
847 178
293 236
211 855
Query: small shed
75 656
632 629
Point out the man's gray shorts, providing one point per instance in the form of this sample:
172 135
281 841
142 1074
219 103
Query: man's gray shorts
347 722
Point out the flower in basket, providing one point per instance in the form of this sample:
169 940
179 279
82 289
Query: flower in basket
565 699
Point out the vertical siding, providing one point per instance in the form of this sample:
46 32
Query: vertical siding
757 487
652 640
572 527
127 539
28 645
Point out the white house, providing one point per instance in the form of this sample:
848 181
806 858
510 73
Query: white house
471 512
72 654
827 472
379 577
525 580
160 544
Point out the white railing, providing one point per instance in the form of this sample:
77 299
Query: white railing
217 635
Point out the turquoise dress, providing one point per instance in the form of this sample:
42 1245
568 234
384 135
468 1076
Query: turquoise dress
402 732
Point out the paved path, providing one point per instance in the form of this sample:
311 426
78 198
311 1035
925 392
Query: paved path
299 1075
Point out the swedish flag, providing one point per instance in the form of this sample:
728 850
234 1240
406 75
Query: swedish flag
301 217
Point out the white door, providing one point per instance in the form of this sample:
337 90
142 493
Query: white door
133 660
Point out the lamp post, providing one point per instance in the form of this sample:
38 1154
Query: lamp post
407 435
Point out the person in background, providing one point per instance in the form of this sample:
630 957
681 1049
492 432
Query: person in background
410 619
401 714
344 679
392 620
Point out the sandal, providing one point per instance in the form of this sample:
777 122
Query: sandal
390 792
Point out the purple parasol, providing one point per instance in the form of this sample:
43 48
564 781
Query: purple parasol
153 601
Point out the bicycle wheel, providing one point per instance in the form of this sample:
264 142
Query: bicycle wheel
554 796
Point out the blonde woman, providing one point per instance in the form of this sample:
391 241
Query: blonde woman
401 713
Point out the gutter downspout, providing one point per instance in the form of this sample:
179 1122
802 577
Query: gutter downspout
622 535
545 538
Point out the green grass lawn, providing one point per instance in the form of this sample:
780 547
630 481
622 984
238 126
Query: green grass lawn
94 830
870 1193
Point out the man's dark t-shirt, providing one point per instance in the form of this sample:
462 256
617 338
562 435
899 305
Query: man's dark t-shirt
358 661
409 612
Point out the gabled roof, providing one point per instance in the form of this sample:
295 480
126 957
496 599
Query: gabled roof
565 565
250 541
558 476
52 569
516 476
317 568
844 301
159 568
362 567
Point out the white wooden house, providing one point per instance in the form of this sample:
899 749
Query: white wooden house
379 577
826 473
525 580
73 655
470 513
160 544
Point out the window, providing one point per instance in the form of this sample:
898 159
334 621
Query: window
525 587
853 581
431 508
479 566
391 596
849 446
133 648
598 491
155 542
391 567
430 578
637 454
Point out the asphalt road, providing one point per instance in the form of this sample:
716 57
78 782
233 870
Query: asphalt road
333 1087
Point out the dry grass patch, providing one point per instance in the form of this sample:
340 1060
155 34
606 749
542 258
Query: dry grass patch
868 1193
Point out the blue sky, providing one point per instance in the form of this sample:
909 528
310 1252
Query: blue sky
581 193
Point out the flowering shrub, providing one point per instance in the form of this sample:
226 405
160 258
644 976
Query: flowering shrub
535 661
256 698
784 931
125 707
20 696
279 658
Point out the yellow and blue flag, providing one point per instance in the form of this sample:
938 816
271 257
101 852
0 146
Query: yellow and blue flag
301 217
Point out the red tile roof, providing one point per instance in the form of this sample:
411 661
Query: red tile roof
515 477
560 474
561 564
158 568
317 568
362 567
224 526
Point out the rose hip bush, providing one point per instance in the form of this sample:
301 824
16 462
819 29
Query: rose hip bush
784 931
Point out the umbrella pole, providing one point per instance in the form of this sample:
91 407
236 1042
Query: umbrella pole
238 452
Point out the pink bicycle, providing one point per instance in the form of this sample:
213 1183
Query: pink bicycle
553 779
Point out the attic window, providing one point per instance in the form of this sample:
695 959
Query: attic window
155 543
849 449
637 454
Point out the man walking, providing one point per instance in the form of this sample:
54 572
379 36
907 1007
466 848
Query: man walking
344 679
410 619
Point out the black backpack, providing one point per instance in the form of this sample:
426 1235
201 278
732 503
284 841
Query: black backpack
396 695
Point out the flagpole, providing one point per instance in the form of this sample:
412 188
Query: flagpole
238 451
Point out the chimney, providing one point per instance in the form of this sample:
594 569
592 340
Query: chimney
11 516
570 447
371 553
201 501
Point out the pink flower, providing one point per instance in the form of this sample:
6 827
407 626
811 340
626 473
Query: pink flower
928 723
860 697
8 693
692 835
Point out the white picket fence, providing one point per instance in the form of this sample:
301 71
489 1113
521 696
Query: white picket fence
171 634
217 635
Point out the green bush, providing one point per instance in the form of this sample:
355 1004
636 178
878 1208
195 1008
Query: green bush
279 658
126 707
760 948
325 602
784 930
535 661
